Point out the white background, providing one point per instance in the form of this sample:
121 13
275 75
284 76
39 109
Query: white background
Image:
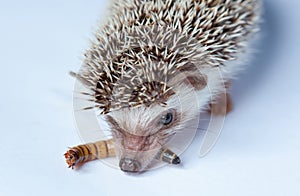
258 152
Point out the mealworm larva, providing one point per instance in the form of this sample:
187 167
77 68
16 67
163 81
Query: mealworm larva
104 149
89 152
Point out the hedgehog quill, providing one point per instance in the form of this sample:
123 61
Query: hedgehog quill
149 54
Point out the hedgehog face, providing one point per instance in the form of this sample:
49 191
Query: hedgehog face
140 132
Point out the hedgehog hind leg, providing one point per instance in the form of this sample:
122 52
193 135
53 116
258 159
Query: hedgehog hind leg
222 104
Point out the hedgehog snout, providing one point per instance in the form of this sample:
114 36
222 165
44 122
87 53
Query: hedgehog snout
129 165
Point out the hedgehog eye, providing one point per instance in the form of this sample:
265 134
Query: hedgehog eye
167 118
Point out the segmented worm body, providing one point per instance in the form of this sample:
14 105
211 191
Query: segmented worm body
89 152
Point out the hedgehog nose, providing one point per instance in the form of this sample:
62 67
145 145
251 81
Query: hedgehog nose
129 165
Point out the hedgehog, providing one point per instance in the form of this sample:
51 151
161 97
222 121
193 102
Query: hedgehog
151 58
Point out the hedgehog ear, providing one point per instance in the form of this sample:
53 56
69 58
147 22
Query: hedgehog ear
192 76
198 81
